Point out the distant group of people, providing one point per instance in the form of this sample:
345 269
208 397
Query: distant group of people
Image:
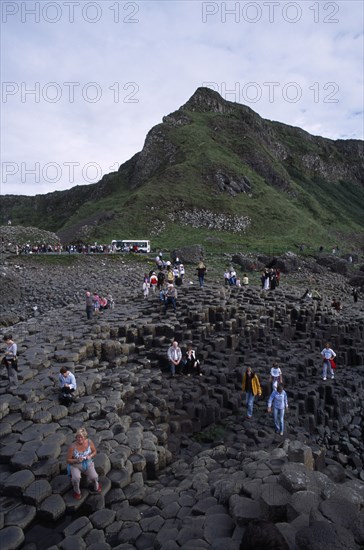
232 279
278 401
270 278
96 303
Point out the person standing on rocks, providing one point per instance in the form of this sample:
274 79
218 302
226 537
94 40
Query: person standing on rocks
251 386
96 302
10 360
68 385
327 355
174 357
275 376
201 270
80 458
89 305
170 297
279 401
355 295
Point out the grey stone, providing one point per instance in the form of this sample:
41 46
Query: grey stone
22 516
16 484
218 526
274 500
12 537
294 477
102 518
302 502
52 508
37 491
72 543
80 527
321 535
243 509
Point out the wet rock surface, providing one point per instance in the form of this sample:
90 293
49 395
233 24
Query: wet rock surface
179 464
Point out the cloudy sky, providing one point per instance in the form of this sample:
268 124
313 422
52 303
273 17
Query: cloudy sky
83 82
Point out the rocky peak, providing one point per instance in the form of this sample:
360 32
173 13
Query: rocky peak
207 100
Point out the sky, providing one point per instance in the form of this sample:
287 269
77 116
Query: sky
83 82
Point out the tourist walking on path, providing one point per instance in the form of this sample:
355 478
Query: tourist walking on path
251 386
328 356
174 357
201 270
275 376
279 401
10 360
80 458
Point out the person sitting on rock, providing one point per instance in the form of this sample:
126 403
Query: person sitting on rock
80 459
174 354
68 385
245 280
192 364
103 303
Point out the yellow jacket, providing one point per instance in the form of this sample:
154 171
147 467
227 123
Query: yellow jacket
256 389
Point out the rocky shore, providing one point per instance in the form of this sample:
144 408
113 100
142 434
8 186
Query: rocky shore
179 465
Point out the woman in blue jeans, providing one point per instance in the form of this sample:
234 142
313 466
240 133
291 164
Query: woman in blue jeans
279 401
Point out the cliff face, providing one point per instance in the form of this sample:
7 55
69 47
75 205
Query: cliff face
205 155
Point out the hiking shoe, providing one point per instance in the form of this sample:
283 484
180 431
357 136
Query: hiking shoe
98 490
77 496
324 378
332 377
280 433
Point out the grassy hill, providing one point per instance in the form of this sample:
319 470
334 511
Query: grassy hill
216 173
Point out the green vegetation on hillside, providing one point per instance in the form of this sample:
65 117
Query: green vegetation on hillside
226 161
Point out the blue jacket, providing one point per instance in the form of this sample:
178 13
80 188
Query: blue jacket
70 380
279 400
